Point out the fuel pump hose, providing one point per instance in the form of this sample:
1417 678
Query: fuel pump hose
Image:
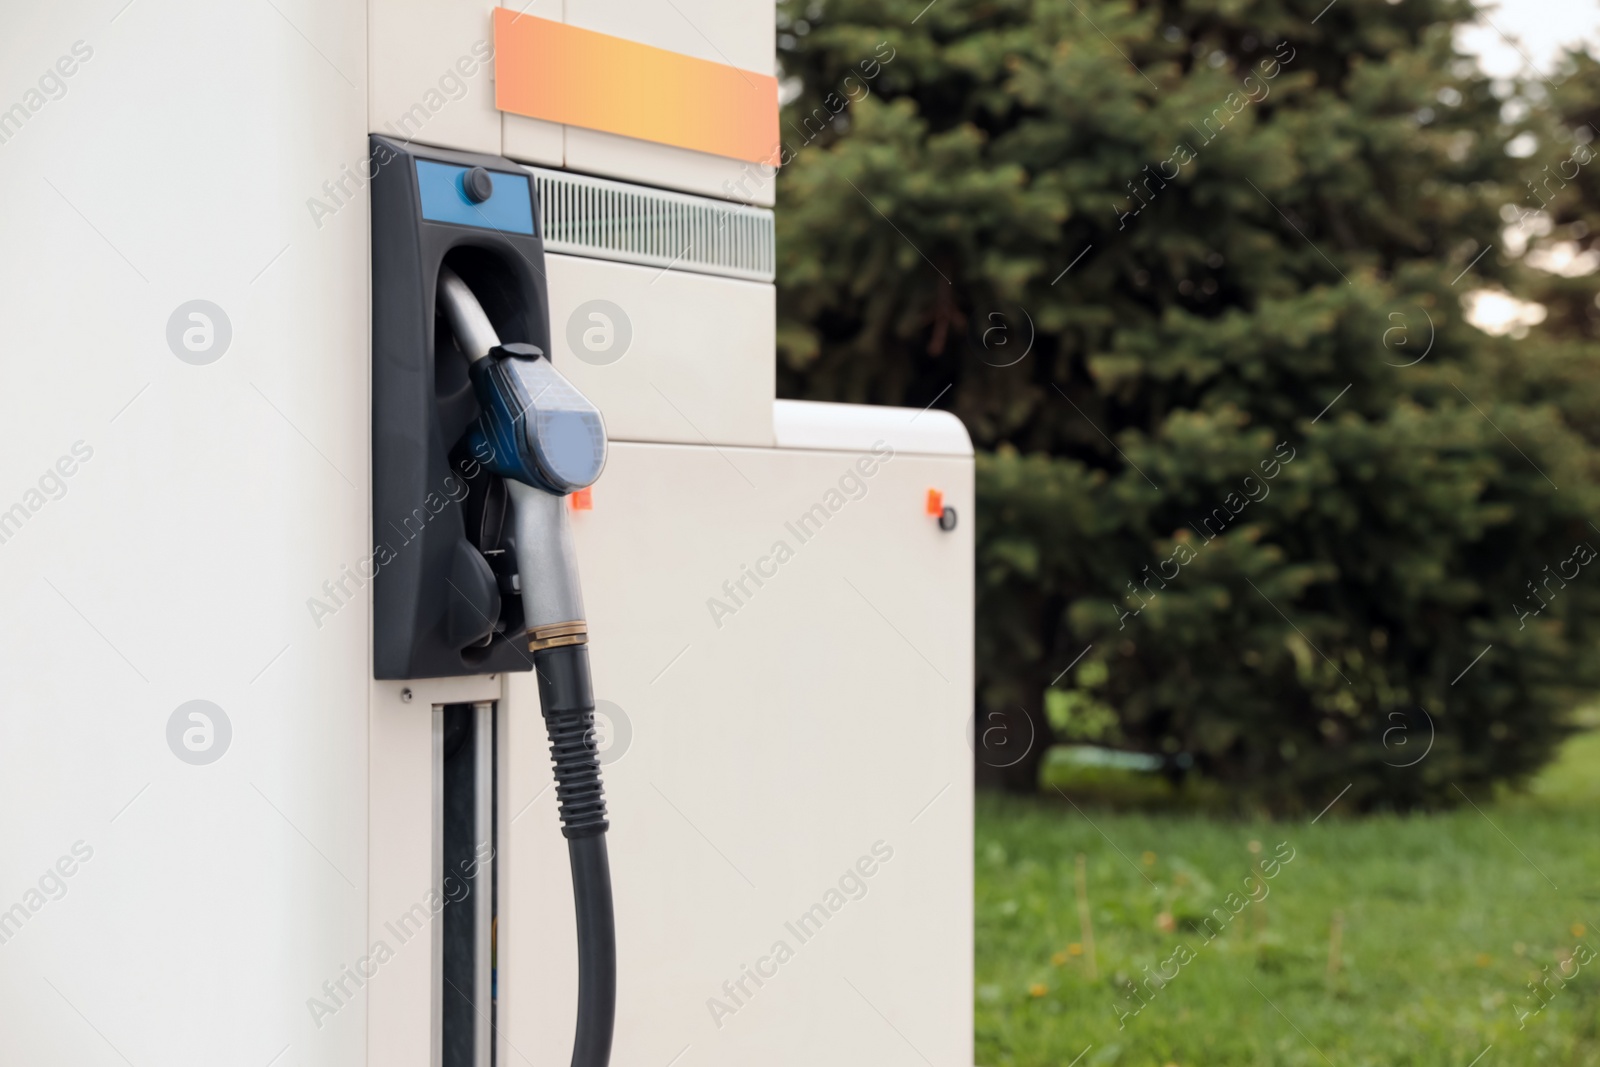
566 696
546 440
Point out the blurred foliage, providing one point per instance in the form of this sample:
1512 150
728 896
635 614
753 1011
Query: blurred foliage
1191 275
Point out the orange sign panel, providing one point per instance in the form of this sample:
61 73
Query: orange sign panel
560 73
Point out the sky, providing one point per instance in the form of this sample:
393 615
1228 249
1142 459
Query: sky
1540 28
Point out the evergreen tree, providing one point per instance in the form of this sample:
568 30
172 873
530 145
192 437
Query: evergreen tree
1193 276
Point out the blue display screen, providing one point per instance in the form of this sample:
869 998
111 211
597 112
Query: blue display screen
509 207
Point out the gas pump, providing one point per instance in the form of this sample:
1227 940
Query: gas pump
406 317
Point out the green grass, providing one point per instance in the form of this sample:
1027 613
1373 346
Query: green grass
1445 919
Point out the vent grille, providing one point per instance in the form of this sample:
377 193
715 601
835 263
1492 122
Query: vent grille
584 216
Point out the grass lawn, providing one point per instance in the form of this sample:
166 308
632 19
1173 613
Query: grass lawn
1379 941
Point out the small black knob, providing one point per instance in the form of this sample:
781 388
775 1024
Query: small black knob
947 519
477 184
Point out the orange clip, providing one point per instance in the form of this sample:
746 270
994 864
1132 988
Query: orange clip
935 503
582 500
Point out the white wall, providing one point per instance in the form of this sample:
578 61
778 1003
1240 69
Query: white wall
177 166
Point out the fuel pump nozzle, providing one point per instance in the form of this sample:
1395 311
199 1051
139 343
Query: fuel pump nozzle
546 440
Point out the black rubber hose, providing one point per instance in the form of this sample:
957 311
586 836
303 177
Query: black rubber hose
597 951
567 698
